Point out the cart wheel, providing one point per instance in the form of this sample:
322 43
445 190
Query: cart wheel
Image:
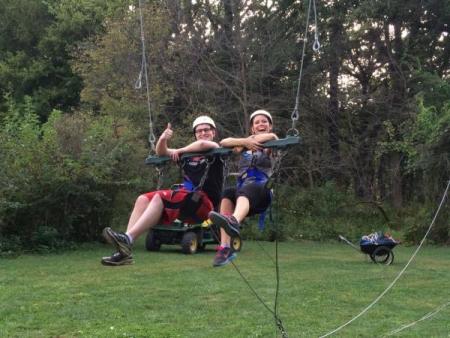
236 243
382 255
152 243
189 243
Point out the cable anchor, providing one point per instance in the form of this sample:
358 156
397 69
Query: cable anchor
281 328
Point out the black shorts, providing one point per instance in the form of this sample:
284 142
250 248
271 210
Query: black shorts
258 195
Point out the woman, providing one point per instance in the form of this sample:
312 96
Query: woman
251 195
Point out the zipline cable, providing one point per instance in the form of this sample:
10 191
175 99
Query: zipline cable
400 273
427 316
316 47
138 83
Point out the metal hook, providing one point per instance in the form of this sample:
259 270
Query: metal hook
152 140
316 45
138 83
295 114
292 132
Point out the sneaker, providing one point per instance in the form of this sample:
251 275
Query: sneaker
117 259
228 223
119 240
223 256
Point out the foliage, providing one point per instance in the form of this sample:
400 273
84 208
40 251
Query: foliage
36 38
111 67
417 218
425 140
59 180
374 107
321 214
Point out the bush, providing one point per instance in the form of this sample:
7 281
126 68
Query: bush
47 239
59 180
417 220
321 213
10 246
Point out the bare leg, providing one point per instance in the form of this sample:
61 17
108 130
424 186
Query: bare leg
150 217
242 208
240 212
140 205
225 240
226 208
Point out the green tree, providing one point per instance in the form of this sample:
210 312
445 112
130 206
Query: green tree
110 66
59 180
36 39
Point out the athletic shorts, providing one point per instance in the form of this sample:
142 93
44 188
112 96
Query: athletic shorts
187 206
258 195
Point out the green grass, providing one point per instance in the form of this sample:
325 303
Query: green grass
168 294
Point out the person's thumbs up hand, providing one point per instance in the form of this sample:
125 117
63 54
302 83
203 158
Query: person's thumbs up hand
167 134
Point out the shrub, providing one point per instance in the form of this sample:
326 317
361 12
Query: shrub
59 180
417 220
320 213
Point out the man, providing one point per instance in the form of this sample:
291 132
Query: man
191 202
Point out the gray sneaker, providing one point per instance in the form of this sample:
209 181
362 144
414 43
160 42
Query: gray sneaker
223 256
228 223
119 240
117 259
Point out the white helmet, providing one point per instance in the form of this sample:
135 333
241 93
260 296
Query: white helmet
203 119
261 112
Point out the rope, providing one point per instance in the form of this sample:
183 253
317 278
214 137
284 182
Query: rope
138 83
278 322
277 266
266 252
427 316
160 180
400 273
316 44
274 312
316 47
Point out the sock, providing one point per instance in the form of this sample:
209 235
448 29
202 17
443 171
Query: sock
224 245
129 237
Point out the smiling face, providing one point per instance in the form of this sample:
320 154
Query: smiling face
261 124
205 132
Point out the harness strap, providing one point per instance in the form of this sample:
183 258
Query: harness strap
189 185
253 175
188 206
263 214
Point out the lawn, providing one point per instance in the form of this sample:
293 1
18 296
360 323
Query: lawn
168 294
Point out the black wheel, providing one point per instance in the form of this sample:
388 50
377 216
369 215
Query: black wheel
382 255
236 243
152 242
189 243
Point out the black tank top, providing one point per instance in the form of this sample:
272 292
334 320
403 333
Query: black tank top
194 169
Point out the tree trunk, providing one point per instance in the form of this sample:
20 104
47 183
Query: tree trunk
396 179
398 102
333 103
